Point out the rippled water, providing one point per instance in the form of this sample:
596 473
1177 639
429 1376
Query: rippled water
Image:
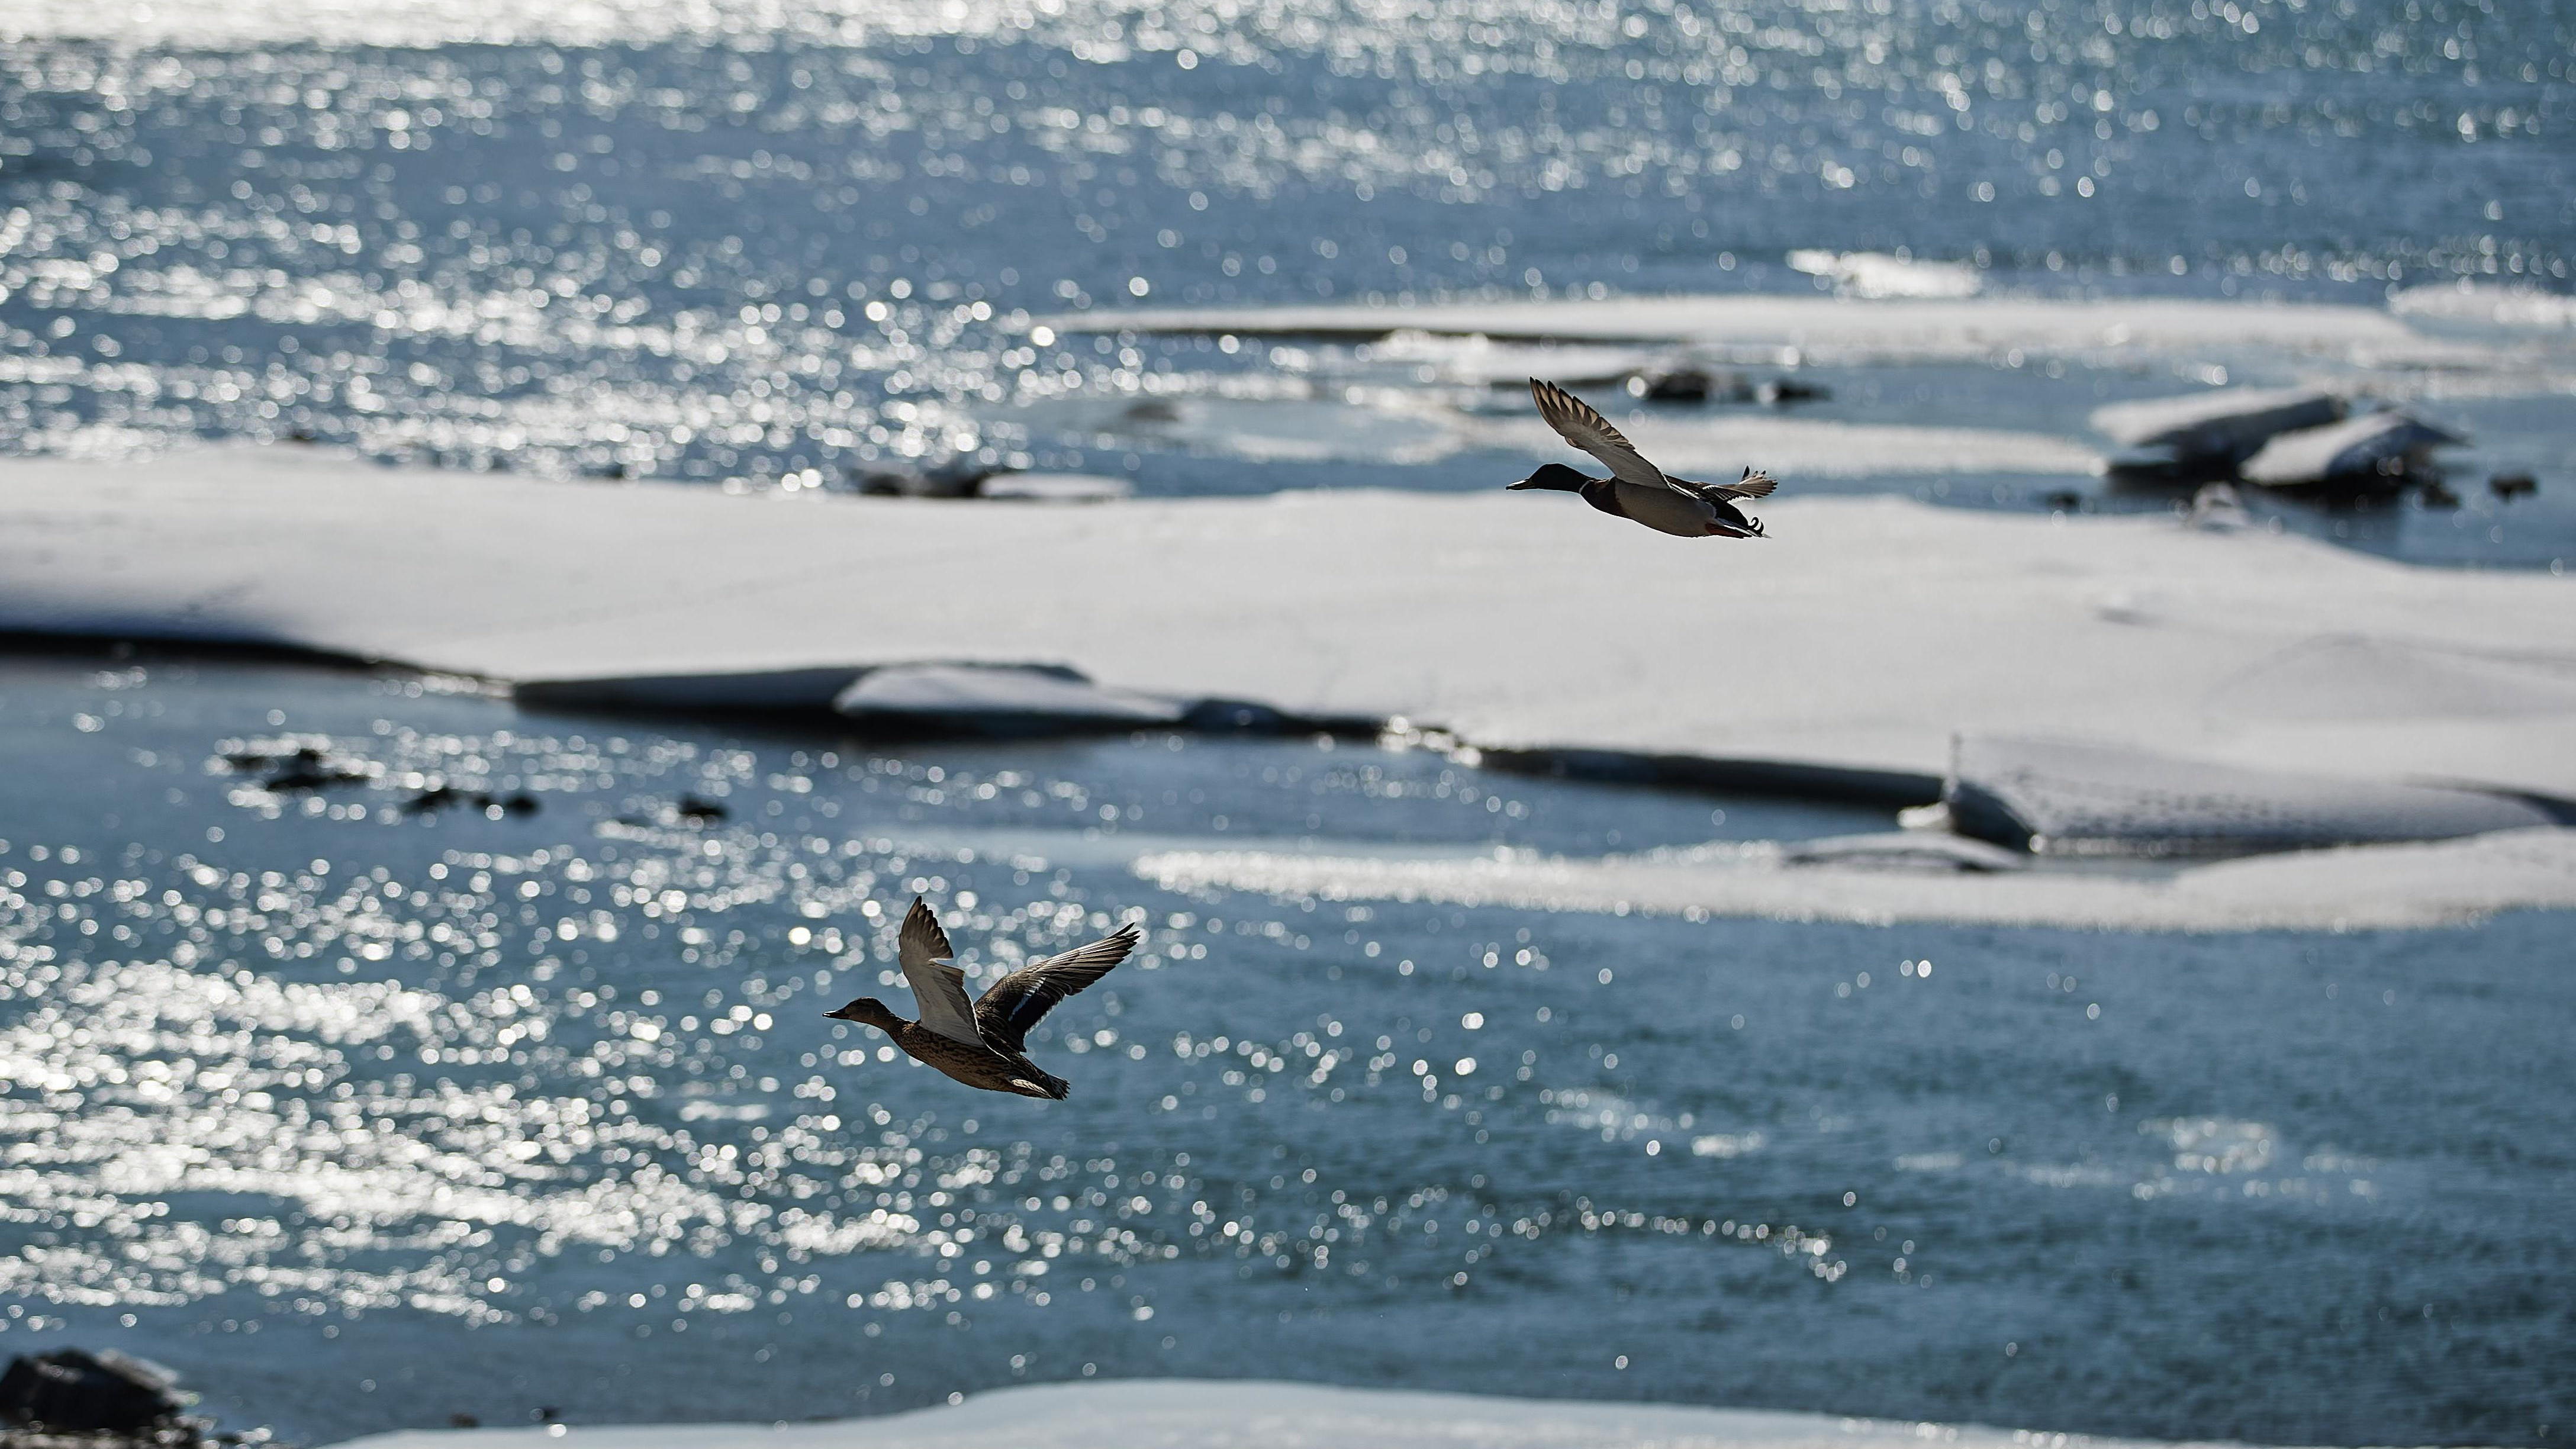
719 242
365 1116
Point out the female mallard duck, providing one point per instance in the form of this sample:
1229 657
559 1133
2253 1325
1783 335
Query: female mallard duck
983 1045
1636 489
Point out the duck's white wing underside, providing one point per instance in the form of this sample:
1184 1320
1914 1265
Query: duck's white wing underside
1578 423
938 987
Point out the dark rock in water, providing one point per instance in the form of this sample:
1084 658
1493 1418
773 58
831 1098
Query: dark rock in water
954 478
698 810
2159 475
2437 494
463 1421
2064 500
74 1390
310 769
446 797
2513 485
1689 385
1782 391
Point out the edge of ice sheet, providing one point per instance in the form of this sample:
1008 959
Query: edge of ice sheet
1252 1414
1838 327
2373 887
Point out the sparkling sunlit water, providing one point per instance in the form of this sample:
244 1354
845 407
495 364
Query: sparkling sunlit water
784 242
365 1116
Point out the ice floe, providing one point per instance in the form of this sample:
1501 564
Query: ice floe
1861 637
2074 798
1879 274
2348 888
2466 301
1762 327
1167 1413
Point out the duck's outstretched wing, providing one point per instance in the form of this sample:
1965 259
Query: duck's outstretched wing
1754 484
1578 423
938 987
1020 1000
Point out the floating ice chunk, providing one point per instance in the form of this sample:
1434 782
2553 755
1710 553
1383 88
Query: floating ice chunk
2218 508
1054 488
1246 1414
2347 888
2224 425
1878 274
1727 1144
1000 699
1479 360
2378 445
2063 797
1902 850
2467 301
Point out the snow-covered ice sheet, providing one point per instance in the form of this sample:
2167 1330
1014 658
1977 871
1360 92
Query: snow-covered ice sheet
1193 1414
1864 633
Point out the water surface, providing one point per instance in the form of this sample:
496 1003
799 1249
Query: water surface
364 1117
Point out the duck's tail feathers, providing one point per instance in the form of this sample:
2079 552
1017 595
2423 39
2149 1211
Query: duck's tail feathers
1754 484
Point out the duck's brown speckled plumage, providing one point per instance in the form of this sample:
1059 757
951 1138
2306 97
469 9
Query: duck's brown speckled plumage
983 1046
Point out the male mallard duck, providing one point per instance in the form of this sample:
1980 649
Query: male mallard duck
1636 489
983 1045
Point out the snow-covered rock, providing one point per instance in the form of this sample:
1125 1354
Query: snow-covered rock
2378 445
2223 425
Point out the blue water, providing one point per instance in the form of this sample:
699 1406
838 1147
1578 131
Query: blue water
362 1118
725 252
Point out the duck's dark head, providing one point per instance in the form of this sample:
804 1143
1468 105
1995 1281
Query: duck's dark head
868 1011
1555 477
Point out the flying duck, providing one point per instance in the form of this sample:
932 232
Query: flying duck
1636 489
983 1045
